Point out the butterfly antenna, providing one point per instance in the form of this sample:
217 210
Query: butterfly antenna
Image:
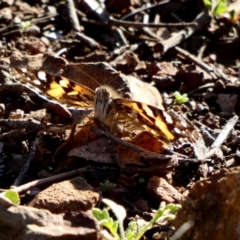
89 76
115 77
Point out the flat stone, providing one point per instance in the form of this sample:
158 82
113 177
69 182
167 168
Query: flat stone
70 195
162 190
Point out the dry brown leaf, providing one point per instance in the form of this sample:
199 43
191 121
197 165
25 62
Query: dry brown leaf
91 75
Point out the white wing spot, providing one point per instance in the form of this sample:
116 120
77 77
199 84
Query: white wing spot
168 118
184 124
148 110
42 76
176 130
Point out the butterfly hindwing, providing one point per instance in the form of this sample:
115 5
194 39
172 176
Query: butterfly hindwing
167 125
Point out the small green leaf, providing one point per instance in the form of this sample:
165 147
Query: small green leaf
112 226
233 14
173 208
12 195
107 185
105 214
115 226
120 213
141 180
100 214
208 4
25 25
180 98
97 213
106 221
132 230
159 213
220 8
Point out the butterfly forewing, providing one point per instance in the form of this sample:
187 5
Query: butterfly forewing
74 94
57 87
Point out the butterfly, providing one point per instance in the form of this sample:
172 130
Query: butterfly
108 106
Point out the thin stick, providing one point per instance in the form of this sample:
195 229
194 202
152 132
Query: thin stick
178 37
152 25
144 8
195 60
49 180
76 26
225 132
26 166
73 15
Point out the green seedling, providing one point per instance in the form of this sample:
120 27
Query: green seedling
106 221
133 231
180 98
25 25
107 185
141 180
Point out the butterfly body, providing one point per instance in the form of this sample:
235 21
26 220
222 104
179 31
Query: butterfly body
105 105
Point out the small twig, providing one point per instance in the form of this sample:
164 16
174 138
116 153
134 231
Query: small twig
62 146
221 75
201 51
43 18
31 125
73 15
152 25
222 136
178 37
76 26
89 41
26 166
144 8
195 60
138 37
215 74
48 180
116 22
98 9
153 169
224 132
